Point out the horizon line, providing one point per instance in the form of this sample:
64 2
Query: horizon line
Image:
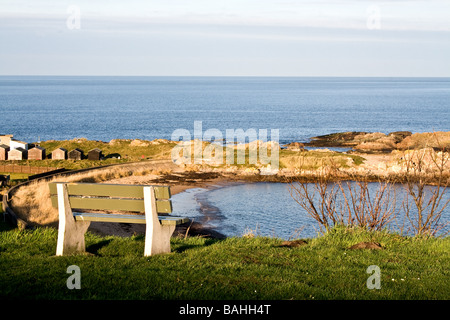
212 76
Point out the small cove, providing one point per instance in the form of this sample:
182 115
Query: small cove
268 209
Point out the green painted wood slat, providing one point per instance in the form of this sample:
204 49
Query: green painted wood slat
125 218
112 204
111 190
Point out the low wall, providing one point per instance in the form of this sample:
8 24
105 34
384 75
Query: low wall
9 213
15 168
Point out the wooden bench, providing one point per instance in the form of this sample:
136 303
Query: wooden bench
153 201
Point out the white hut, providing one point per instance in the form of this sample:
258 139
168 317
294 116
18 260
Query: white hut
15 144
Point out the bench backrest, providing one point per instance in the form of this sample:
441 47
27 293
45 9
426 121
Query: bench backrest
113 197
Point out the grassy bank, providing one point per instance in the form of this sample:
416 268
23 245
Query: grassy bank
235 268
114 152
123 151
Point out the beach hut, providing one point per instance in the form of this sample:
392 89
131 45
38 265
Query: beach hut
17 154
76 154
4 152
36 153
59 154
15 144
5 139
95 154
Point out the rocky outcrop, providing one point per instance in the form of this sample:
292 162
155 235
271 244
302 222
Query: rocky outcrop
366 142
295 146
340 139
398 136
437 140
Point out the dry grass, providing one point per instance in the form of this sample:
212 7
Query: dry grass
313 160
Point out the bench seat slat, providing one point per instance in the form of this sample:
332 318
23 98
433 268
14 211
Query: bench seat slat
126 218
111 190
135 205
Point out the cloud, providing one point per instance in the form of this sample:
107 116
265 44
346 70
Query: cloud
431 15
207 37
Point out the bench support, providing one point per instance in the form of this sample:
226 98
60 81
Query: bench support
70 232
157 236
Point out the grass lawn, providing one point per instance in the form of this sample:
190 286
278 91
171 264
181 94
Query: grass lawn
16 176
235 268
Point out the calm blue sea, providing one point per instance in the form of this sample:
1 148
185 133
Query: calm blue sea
104 108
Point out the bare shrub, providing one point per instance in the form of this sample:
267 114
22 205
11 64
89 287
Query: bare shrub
318 199
425 176
426 184
363 209
332 202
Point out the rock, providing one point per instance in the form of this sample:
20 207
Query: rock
139 143
341 139
399 135
437 140
254 145
159 141
118 141
376 142
321 150
295 146
195 229
79 140
367 245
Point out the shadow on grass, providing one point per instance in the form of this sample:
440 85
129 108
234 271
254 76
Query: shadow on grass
5 226
178 246
186 246
94 248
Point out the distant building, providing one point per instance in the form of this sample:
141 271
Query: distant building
4 151
75 154
36 153
95 154
59 154
15 144
17 154
5 139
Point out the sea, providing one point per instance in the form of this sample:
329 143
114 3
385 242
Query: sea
39 108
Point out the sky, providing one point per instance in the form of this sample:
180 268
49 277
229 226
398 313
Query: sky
354 38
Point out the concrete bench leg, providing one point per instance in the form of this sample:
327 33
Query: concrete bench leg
70 232
157 236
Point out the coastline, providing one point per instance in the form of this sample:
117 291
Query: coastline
374 163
